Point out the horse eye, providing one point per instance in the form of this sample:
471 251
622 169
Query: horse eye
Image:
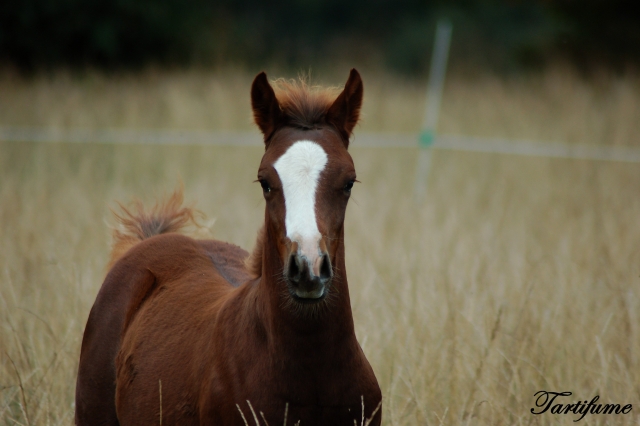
265 185
348 186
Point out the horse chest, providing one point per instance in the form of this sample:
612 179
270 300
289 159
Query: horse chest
310 389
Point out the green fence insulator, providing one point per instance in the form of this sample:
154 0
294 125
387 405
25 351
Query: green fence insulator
426 138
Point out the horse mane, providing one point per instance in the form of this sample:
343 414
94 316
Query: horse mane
134 224
304 105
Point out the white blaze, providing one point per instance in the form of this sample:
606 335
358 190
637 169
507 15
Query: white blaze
299 170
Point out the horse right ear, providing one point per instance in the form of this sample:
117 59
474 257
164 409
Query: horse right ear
266 109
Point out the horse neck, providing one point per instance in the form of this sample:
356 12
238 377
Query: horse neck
332 322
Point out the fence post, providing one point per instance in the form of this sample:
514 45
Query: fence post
434 99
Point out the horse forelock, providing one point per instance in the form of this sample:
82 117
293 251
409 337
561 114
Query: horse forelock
305 106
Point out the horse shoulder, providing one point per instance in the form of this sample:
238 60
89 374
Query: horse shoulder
241 359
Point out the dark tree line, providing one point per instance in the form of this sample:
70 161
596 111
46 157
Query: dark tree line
397 33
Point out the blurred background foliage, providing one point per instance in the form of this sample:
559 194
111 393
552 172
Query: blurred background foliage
500 35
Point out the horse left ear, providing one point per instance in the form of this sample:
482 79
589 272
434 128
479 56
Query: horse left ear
345 110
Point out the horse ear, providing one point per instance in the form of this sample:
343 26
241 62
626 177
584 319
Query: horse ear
345 110
266 109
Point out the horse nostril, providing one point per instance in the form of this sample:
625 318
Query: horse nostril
293 272
325 268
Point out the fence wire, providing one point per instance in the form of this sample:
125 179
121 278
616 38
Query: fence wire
627 154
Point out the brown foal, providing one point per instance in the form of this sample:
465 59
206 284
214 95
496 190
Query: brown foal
196 332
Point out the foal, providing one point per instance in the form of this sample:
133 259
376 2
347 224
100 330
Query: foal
182 332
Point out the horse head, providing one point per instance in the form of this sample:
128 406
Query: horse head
306 175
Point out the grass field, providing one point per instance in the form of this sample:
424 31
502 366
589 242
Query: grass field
514 275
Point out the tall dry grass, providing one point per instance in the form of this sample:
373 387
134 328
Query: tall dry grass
514 275
557 105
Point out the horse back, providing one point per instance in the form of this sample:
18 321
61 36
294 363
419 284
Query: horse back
228 259
129 284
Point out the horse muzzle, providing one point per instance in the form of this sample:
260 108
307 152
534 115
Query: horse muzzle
308 277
